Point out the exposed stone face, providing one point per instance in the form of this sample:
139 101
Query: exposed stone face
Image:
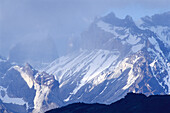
139 63
24 86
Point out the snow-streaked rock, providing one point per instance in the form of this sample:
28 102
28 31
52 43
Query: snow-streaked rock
27 89
117 57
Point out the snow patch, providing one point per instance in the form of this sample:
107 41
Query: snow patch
112 29
165 65
96 67
137 48
133 39
163 33
67 99
131 79
7 99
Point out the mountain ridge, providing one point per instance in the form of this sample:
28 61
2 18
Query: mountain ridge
131 103
116 57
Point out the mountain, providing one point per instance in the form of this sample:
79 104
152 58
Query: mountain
160 24
117 56
132 103
24 89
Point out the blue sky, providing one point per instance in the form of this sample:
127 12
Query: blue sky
63 19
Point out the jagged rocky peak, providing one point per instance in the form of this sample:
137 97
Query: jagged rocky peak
28 69
24 89
44 78
110 33
27 65
128 17
115 21
157 20
110 16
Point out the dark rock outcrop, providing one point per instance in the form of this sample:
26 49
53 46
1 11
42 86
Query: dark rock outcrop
132 103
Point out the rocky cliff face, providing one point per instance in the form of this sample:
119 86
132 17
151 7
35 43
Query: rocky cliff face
117 57
27 89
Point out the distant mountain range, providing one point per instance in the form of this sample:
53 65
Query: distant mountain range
116 56
132 103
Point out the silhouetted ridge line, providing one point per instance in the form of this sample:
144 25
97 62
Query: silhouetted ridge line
132 103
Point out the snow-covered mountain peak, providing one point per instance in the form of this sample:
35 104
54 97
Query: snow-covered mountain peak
158 24
112 33
117 56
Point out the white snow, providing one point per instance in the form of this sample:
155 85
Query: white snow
106 27
112 29
139 23
159 31
137 47
133 39
2 60
104 88
152 40
65 64
124 65
96 67
7 99
155 44
153 63
67 99
131 80
91 63
165 66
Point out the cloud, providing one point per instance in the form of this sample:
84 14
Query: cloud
61 18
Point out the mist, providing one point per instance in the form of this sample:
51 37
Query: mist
30 22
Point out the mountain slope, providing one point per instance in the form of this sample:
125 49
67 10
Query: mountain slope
27 89
159 24
116 57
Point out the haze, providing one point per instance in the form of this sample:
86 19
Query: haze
62 21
